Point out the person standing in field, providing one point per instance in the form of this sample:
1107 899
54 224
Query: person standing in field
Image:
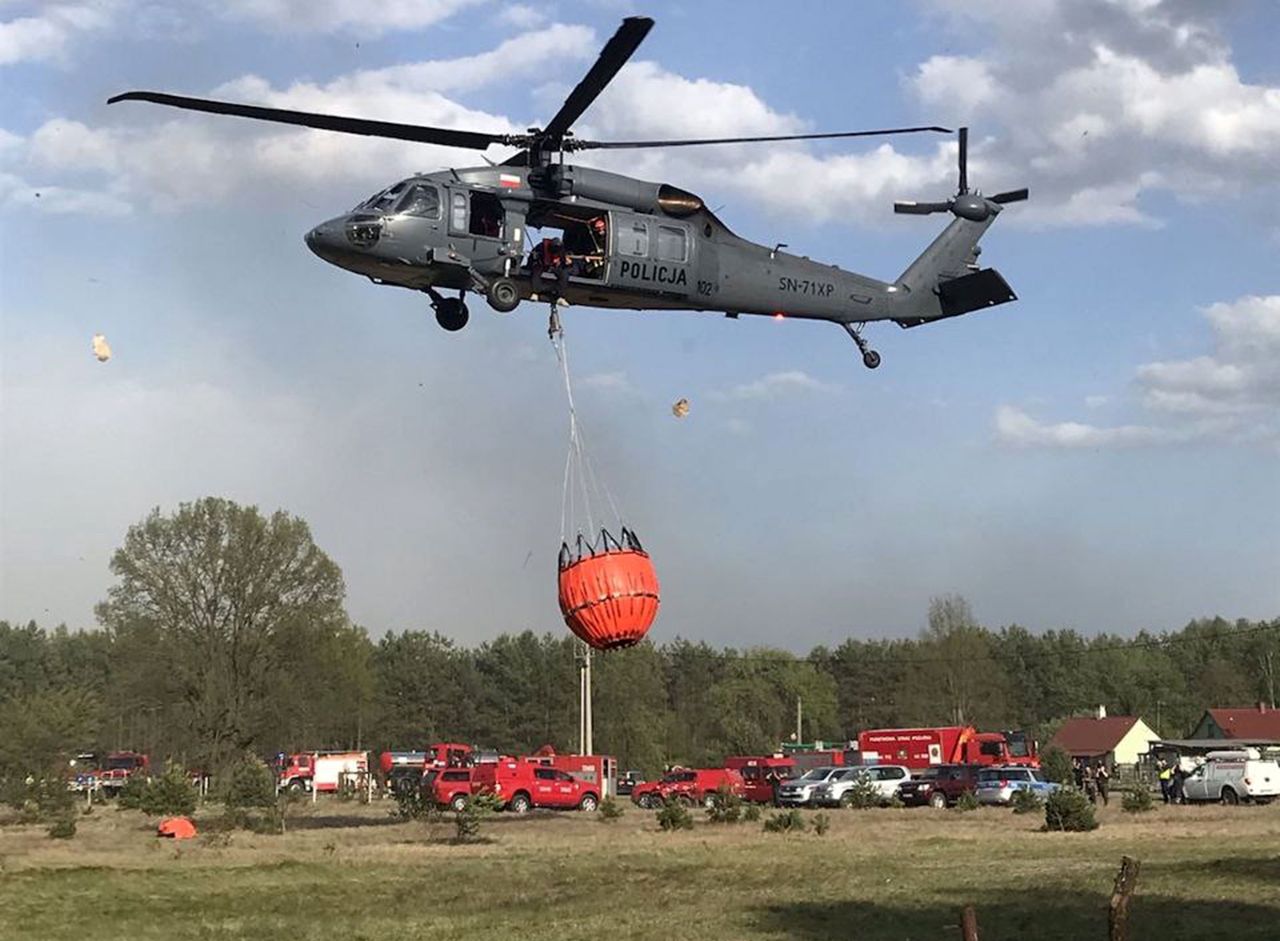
1103 777
1164 773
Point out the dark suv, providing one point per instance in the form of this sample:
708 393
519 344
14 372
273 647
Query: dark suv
939 785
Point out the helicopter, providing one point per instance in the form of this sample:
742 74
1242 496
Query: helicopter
626 243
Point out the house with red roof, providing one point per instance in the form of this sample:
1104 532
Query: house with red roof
1256 723
1119 740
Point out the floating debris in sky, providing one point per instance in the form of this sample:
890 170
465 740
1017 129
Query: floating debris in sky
681 408
101 349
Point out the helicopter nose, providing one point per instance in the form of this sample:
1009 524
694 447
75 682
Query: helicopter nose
325 240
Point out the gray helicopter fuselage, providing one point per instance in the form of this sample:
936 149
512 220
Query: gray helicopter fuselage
664 249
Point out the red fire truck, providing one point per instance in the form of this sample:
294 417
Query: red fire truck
521 784
321 771
119 767
947 745
761 774
403 770
599 772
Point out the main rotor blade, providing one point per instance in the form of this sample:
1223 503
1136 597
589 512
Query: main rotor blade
574 144
1012 196
326 122
964 160
908 207
613 57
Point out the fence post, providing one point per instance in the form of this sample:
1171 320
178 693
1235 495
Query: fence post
1118 910
968 924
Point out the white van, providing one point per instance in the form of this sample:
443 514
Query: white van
1232 776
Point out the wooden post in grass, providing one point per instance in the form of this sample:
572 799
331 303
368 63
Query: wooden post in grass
968 924
1118 911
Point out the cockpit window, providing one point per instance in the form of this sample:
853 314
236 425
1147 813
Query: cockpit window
383 201
421 200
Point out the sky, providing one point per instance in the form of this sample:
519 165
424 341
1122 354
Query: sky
1103 454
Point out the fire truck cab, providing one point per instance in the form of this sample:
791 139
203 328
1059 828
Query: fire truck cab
761 775
119 767
321 771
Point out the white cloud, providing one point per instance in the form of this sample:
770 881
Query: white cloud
522 16
345 15
776 385
1096 401
607 382
1104 102
131 161
1231 394
17 193
1242 375
1016 427
45 37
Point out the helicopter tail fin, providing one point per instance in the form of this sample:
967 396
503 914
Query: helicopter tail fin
946 280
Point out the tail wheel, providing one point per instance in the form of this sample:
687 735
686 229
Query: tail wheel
1229 796
458 803
519 804
871 359
504 295
588 803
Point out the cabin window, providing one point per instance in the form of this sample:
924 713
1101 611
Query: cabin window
633 239
673 245
421 200
458 219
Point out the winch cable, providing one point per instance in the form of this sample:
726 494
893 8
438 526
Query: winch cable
580 476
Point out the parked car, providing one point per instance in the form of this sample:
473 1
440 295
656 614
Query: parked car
799 791
627 782
884 778
692 785
997 785
1233 776
938 786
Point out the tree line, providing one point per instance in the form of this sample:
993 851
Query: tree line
225 632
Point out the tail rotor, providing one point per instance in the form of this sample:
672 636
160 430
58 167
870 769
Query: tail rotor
965 204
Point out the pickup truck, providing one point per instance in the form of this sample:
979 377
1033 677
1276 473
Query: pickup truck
939 785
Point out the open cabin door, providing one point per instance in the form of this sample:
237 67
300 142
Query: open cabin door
651 254
480 230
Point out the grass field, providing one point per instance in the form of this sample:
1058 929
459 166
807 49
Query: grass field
350 872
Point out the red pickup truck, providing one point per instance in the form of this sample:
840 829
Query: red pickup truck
450 787
691 785
520 785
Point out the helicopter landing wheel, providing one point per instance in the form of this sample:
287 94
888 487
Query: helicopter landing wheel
870 358
504 295
452 314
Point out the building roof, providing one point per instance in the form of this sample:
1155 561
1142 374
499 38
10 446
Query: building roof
1254 722
1089 736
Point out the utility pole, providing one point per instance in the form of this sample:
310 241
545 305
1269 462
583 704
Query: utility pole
585 723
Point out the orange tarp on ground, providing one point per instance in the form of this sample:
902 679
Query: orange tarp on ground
180 828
